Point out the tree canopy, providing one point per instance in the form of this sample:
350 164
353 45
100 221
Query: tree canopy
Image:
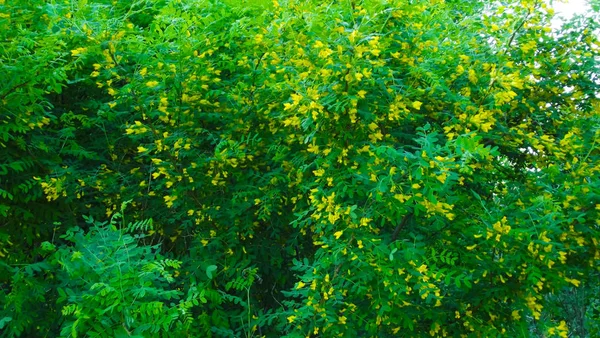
368 168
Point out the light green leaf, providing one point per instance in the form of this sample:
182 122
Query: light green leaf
209 271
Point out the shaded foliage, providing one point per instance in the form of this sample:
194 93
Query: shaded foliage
298 168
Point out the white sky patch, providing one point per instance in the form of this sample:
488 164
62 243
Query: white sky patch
567 9
571 7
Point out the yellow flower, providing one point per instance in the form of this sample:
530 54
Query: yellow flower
141 149
169 201
515 315
442 177
151 84
563 329
291 319
361 94
417 105
338 234
563 257
472 76
78 51
352 36
300 285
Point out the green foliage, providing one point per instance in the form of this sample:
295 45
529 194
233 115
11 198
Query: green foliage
106 282
339 168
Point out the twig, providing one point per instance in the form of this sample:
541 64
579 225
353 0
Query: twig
514 34
400 226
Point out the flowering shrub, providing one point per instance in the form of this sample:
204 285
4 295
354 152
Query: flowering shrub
339 168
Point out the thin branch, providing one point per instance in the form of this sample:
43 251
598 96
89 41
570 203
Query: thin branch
10 91
400 226
514 34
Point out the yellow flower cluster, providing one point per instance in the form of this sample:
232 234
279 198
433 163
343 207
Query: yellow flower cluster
561 330
54 188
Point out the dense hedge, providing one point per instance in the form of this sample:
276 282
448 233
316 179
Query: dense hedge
303 168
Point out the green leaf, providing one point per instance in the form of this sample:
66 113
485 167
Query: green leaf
209 271
4 321
392 254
